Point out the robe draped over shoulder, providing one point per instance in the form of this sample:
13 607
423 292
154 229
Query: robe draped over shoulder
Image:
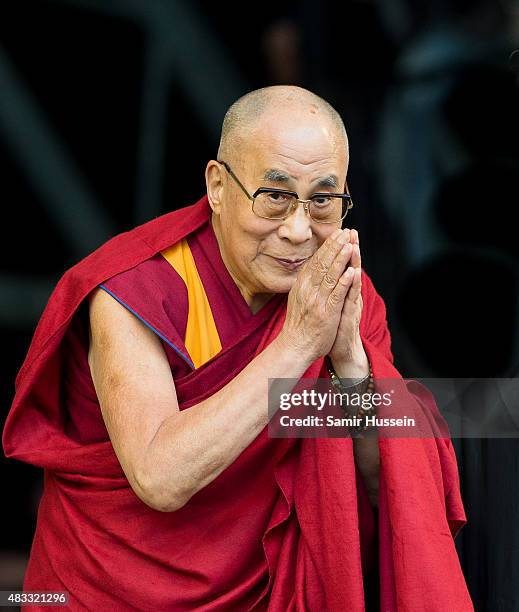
287 526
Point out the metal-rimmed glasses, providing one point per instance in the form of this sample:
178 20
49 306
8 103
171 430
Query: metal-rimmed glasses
279 204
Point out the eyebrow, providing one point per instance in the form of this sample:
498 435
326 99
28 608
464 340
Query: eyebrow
328 181
274 175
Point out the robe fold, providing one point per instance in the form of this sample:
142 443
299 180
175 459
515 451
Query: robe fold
287 526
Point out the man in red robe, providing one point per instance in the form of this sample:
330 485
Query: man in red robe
144 398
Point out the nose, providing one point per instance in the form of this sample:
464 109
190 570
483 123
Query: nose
297 227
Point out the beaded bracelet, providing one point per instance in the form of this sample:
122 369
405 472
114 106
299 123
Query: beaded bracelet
365 386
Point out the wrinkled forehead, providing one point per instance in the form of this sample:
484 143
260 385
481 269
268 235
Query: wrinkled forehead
297 150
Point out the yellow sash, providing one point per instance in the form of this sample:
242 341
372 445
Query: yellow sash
202 340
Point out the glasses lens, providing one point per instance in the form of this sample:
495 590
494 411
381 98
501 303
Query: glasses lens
273 204
328 209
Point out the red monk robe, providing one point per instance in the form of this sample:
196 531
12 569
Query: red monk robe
280 526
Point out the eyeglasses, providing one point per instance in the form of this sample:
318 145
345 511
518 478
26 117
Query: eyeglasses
278 204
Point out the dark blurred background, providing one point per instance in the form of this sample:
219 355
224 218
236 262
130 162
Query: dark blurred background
110 109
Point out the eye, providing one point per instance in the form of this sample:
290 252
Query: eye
321 200
279 198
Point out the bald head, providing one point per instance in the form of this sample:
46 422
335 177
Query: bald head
246 115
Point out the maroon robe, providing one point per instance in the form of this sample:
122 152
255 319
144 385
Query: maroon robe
280 526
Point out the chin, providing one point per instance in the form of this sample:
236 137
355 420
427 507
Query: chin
281 284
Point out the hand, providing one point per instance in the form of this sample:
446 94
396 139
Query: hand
316 300
347 348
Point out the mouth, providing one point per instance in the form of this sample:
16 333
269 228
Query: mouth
290 264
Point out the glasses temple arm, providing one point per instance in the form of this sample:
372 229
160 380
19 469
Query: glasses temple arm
238 182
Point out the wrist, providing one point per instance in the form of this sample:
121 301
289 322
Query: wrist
291 352
363 386
353 366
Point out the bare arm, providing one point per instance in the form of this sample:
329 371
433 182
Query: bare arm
138 401
167 454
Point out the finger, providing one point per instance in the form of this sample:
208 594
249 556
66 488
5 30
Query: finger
355 256
356 285
324 256
354 237
338 294
321 259
338 267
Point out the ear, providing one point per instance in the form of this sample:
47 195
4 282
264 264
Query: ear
214 184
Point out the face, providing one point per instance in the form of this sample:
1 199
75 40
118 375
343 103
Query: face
305 152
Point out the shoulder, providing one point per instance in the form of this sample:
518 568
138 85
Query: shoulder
126 248
120 253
